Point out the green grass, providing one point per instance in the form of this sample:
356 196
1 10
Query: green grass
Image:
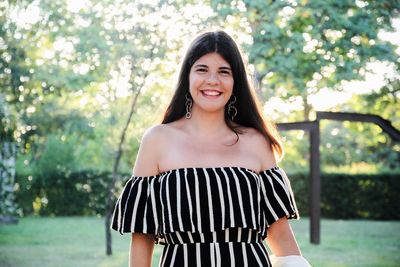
79 241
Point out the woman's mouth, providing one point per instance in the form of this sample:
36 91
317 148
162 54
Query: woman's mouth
211 93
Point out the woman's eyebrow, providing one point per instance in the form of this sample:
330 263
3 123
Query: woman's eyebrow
205 66
201 66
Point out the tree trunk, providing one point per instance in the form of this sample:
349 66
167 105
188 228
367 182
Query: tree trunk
108 232
258 87
8 207
109 201
118 155
306 114
306 106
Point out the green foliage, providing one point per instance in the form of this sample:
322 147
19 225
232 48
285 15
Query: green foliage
347 144
297 151
52 180
8 206
352 147
57 157
79 69
343 196
67 79
383 102
300 47
61 193
350 196
364 142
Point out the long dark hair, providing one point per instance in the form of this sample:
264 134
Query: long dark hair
247 105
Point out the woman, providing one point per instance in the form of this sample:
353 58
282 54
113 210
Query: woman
205 182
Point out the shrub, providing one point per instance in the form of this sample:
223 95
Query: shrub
353 196
343 196
77 193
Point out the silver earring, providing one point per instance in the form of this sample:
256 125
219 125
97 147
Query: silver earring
232 111
188 104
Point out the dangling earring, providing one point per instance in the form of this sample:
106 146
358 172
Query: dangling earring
188 105
232 111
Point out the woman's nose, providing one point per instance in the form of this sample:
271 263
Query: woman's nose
213 78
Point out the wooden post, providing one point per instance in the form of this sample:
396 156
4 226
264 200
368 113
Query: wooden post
315 173
315 185
315 179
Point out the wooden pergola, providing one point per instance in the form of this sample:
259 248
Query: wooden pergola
315 173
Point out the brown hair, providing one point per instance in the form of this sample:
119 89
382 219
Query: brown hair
248 107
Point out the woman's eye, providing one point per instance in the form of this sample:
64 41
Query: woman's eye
201 70
225 72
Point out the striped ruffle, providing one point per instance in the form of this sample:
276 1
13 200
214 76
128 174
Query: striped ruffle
209 199
277 199
203 200
137 208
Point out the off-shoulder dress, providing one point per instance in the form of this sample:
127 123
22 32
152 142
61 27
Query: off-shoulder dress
207 216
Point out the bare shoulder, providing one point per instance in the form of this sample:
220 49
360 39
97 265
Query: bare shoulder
151 145
254 137
261 146
154 134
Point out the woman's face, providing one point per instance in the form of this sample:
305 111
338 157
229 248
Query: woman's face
210 82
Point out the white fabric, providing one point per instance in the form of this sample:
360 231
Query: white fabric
289 261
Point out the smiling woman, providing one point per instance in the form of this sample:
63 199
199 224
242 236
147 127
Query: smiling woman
211 83
205 181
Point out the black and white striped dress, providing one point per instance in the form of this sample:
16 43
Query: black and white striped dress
207 216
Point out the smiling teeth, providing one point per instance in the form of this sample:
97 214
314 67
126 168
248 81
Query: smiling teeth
211 93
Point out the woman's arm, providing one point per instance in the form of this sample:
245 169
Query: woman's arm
281 240
141 251
280 237
142 245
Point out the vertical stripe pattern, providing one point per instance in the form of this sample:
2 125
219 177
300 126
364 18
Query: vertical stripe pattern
215 254
277 199
212 215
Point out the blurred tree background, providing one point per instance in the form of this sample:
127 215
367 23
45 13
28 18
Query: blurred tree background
69 71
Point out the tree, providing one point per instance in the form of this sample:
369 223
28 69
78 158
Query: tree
14 72
149 34
300 47
356 143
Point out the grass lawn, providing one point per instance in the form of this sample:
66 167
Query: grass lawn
80 241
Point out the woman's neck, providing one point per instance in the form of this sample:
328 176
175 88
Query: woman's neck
206 124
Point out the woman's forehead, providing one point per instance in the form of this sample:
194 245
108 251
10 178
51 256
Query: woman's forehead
212 58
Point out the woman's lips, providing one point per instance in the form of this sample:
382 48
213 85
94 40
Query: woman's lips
211 93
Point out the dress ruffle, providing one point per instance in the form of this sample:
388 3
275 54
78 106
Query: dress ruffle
137 208
277 198
202 200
